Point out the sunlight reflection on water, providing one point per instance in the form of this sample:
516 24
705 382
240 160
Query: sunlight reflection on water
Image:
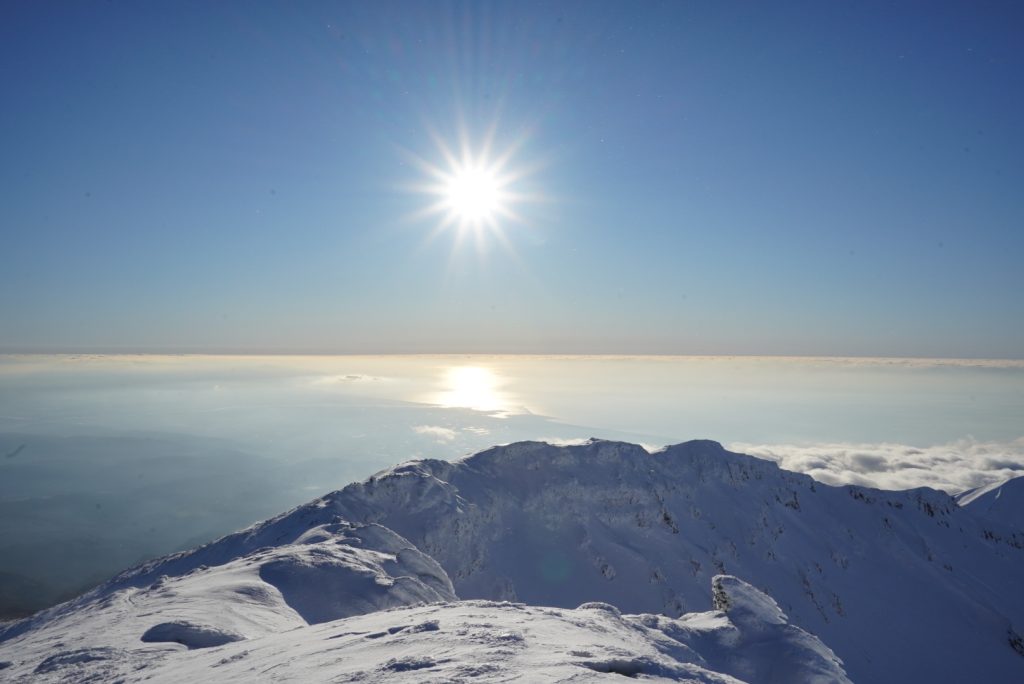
473 387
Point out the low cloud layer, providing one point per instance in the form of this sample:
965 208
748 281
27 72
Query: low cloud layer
441 434
952 467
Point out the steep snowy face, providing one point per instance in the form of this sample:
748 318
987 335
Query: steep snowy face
479 641
900 584
1002 502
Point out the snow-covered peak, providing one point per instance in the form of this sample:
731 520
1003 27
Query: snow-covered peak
611 522
901 585
601 456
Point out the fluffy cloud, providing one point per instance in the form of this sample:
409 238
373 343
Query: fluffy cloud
441 434
952 467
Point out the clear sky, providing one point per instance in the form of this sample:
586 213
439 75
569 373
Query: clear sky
833 178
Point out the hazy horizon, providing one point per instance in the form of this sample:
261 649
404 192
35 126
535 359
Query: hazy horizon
651 397
243 352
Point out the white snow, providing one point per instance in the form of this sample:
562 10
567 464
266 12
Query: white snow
691 563
480 641
1001 502
900 584
322 573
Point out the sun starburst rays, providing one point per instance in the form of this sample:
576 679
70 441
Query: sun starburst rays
473 191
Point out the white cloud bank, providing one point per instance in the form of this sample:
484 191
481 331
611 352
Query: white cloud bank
441 434
577 441
952 467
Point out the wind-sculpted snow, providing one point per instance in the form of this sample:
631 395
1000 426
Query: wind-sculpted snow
479 641
903 586
321 573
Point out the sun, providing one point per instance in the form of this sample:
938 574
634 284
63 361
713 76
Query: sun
474 189
473 193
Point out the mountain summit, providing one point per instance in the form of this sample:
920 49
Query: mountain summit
901 586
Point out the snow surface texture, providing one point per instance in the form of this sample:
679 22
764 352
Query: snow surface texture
317 574
479 641
904 586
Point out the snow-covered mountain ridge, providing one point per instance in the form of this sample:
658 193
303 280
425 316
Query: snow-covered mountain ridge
901 585
1001 502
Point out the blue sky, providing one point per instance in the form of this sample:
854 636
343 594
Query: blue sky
833 178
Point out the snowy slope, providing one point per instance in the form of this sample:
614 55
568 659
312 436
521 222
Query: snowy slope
903 586
481 641
320 573
1001 501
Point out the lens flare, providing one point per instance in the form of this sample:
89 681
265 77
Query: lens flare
472 189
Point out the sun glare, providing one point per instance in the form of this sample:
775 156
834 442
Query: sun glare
472 387
473 189
473 194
